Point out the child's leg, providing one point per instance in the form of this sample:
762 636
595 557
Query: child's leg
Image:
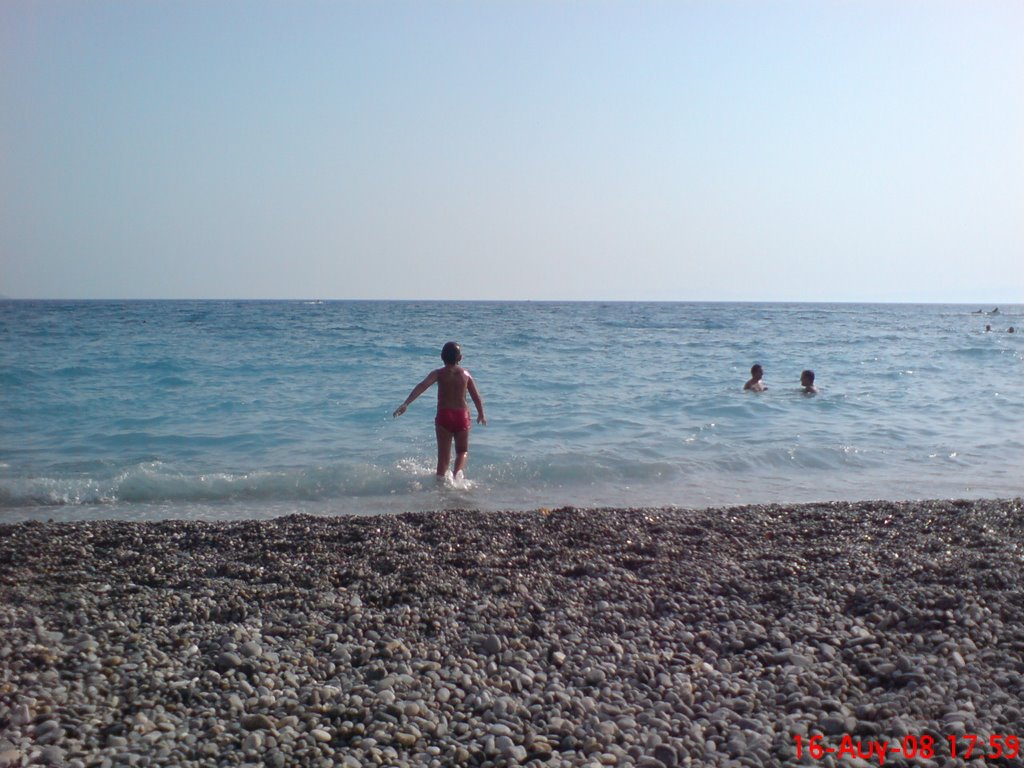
444 449
461 451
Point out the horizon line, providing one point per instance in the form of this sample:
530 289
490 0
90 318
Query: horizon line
984 304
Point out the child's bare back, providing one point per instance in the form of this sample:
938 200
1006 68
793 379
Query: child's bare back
452 385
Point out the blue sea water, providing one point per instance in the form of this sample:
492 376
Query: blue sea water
230 410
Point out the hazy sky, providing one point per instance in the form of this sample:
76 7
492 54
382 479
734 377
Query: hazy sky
846 150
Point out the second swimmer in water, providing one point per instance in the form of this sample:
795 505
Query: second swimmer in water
452 420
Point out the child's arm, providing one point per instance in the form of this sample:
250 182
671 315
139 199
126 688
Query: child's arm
477 401
418 390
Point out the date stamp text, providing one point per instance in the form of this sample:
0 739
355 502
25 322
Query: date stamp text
966 746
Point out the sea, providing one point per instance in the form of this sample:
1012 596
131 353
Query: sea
230 410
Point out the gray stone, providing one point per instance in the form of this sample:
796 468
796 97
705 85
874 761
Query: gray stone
228 660
53 755
251 650
833 725
257 722
666 755
490 644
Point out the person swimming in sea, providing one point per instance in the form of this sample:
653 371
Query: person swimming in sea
756 375
452 420
807 382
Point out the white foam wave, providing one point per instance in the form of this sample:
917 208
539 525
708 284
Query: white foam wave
156 482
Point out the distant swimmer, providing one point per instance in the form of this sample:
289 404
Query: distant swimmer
807 382
988 328
1010 329
756 375
452 420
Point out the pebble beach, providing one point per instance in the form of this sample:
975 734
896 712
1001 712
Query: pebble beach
563 637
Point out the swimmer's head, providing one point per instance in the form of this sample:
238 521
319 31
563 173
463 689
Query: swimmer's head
756 371
451 353
807 378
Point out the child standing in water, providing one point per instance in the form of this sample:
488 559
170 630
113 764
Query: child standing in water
452 420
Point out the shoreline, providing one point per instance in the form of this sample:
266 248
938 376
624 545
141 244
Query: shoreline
655 637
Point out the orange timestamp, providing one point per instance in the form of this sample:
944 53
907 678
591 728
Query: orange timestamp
967 746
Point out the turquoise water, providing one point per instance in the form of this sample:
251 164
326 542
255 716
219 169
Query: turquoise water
226 410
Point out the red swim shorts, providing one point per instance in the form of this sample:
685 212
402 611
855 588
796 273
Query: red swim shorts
455 420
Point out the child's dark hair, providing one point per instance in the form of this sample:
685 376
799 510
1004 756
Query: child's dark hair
756 370
809 375
451 353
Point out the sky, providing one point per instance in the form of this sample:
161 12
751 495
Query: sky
819 150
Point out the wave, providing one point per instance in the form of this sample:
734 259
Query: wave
75 372
20 377
156 482
979 353
154 490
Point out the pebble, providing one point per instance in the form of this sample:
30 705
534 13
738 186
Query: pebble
257 722
491 644
52 755
251 649
654 637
